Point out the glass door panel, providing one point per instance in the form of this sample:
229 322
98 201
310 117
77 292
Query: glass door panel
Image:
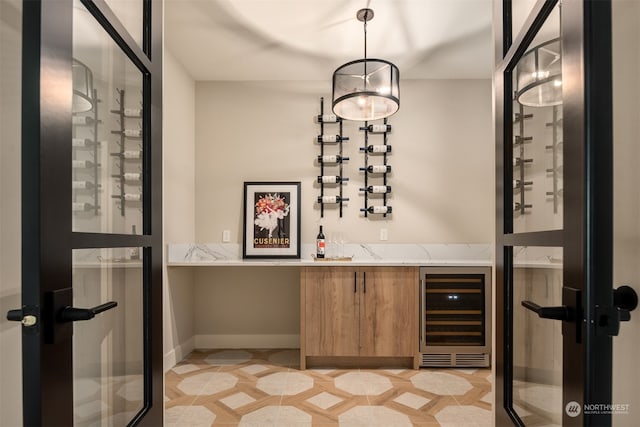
537 342
537 133
108 350
107 142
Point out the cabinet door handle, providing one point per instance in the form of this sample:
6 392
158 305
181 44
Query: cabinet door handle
355 282
364 275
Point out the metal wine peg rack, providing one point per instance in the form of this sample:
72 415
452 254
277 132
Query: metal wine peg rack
127 134
330 163
85 172
555 147
376 186
520 184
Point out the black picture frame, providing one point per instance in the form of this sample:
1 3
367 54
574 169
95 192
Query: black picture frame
271 219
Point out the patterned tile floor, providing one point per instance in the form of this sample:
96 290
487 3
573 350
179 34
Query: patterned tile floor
265 388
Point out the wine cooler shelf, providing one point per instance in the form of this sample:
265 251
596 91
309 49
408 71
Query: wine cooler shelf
331 165
455 316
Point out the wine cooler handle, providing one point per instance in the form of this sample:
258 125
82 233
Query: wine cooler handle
557 313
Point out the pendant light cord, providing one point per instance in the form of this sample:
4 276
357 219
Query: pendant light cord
365 34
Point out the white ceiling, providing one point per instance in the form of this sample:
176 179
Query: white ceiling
309 39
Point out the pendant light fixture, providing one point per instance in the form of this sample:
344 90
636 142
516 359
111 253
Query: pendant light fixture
82 87
539 76
366 89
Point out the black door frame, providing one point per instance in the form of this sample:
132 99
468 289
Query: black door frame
47 237
588 223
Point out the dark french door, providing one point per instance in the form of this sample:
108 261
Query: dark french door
557 309
91 213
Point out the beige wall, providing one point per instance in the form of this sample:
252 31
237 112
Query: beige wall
442 185
626 97
442 159
179 205
10 284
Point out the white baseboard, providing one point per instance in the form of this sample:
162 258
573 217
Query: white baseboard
178 353
247 341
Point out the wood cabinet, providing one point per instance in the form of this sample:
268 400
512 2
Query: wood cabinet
359 316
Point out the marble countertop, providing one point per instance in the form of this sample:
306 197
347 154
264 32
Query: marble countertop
229 254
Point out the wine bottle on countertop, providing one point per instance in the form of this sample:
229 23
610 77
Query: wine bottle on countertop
332 199
381 128
332 159
383 148
377 169
377 189
320 244
378 209
332 179
332 138
134 253
327 118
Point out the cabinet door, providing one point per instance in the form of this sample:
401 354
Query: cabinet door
389 308
332 311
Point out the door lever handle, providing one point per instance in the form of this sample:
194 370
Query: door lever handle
558 313
73 314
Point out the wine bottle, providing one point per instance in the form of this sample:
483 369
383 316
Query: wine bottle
332 199
380 128
517 161
377 189
81 207
332 179
81 164
378 209
332 138
134 253
518 206
82 120
135 133
517 183
320 244
377 148
132 176
132 112
377 169
332 159
133 197
82 185
82 143
327 118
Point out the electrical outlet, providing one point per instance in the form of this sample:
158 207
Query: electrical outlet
383 234
226 235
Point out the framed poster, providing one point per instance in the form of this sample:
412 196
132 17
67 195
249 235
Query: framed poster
271 220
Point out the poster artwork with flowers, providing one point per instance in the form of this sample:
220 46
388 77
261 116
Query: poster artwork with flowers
271 220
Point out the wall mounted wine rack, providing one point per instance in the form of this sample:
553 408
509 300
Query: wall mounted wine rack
555 147
520 184
376 172
330 162
125 118
88 170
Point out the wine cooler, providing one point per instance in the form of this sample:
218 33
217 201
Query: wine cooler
455 310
